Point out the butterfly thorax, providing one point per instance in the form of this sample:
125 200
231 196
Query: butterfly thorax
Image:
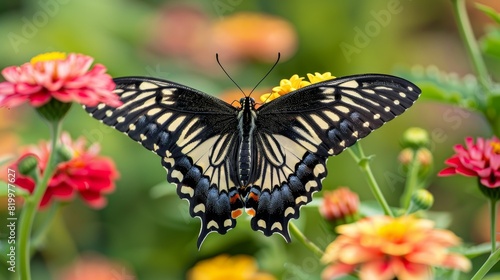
246 128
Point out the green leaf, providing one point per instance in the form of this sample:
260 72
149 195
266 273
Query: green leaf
476 250
163 189
489 12
4 190
445 87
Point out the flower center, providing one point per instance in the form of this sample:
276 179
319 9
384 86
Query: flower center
393 231
48 56
496 147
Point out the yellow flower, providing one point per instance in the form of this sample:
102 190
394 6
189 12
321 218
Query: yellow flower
267 97
383 247
294 83
224 267
317 77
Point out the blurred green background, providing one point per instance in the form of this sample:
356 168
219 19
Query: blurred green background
145 226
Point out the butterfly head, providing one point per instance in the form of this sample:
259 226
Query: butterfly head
247 103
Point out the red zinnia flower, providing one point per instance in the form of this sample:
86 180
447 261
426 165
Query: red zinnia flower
85 173
55 75
480 160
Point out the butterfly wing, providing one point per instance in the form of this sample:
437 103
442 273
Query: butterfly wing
297 132
193 132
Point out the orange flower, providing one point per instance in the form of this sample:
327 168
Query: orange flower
239 267
383 247
255 36
340 206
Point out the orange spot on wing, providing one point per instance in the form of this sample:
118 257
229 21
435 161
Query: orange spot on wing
250 212
236 213
253 196
234 198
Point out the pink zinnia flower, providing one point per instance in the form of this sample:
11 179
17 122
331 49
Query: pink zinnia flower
383 247
66 78
480 160
85 173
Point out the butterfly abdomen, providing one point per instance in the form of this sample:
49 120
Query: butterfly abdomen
246 128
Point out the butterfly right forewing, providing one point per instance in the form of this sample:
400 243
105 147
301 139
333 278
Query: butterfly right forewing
194 134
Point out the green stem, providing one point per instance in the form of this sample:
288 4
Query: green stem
31 205
42 228
304 240
411 181
493 224
364 163
471 45
488 264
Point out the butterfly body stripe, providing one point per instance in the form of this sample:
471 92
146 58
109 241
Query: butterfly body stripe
269 160
246 128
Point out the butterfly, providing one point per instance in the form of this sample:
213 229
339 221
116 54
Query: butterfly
268 160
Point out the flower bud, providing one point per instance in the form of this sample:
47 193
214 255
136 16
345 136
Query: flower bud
415 138
340 206
64 154
422 199
27 165
423 158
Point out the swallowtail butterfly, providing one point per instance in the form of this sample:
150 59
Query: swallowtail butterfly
267 160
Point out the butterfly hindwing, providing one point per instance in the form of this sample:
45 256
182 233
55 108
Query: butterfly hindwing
193 132
297 133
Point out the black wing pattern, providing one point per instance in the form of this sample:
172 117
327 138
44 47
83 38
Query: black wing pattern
297 132
193 132
197 137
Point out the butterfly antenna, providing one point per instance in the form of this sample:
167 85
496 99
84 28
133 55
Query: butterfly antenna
222 67
268 72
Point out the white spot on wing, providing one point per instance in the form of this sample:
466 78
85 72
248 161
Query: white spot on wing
319 121
289 211
147 85
199 208
175 124
261 223
187 190
163 118
177 174
300 199
212 224
350 84
309 185
277 225
332 116
342 109
318 169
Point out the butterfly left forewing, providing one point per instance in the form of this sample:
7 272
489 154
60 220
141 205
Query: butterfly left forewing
299 131
193 133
